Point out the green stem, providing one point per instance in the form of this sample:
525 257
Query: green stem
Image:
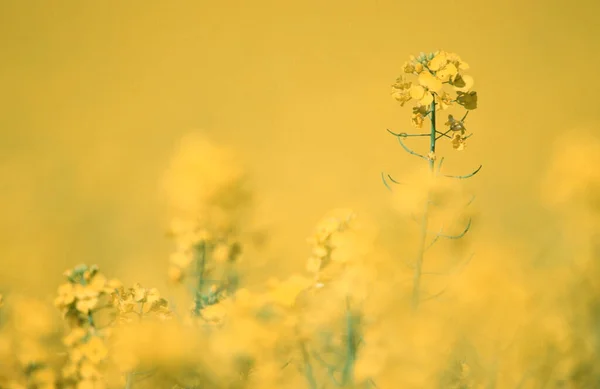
129 382
351 346
418 272
308 370
200 266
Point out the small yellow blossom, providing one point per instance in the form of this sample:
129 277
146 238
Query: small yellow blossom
467 99
75 336
94 350
458 141
66 295
175 273
182 259
221 252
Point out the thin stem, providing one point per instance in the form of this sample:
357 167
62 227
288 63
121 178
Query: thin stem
200 267
418 271
351 345
308 370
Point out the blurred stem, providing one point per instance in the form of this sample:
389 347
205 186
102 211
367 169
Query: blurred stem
351 345
200 267
308 370
425 219
129 382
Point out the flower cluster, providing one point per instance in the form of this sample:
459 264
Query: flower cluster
26 355
79 297
136 302
87 352
208 200
323 242
433 72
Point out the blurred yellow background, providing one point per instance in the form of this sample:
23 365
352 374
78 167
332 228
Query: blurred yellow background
95 95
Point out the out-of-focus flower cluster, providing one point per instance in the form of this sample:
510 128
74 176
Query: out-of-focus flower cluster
93 308
80 295
27 352
434 71
137 302
207 200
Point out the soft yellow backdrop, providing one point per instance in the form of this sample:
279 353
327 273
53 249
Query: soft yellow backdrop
95 95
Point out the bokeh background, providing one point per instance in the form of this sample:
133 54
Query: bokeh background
95 96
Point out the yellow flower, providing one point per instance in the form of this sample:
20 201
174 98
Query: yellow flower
152 296
85 305
285 293
75 355
444 100
70 370
401 91
438 62
181 258
98 283
88 370
94 350
462 83
66 295
428 81
418 116
447 73
458 141
175 273
86 296
112 285
408 67
455 125
44 378
467 100
90 384
139 293
455 59
74 336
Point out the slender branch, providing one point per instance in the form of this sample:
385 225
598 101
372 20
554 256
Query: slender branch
385 182
439 169
308 370
394 181
438 294
410 151
458 236
404 134
466 175
391 179
435 239
443 134
425 219
470 201
330 369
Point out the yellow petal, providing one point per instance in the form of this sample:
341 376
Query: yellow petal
446 73
438 62
408 67
417 92
467 100
464 84
427 99
430 82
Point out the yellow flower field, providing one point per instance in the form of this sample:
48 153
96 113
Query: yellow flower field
204 195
